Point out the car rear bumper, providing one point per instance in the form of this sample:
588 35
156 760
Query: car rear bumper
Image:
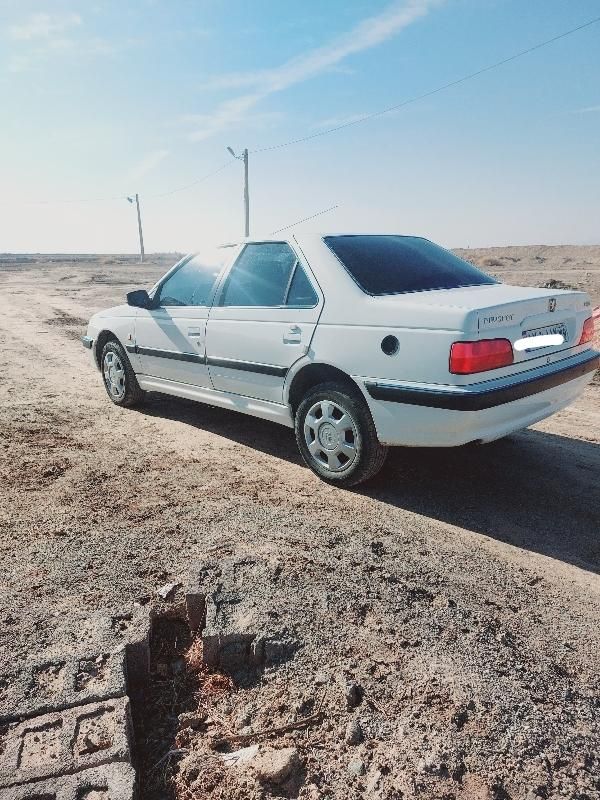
440 416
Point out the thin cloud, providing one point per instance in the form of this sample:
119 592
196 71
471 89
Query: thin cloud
586 110
42 36
367 34
147 164
43 26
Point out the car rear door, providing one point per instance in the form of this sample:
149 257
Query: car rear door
262 321
170 339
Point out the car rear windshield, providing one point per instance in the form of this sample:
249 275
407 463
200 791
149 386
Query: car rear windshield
397 264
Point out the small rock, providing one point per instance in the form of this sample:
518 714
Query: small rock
240 756
192 719
178 666
356 767
311 792
373 781
165 591
276 766
354 694
354 732
321 679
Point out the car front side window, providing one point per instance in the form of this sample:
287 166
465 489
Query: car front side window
260 276
191 284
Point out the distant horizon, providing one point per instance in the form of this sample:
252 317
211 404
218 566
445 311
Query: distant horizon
150 254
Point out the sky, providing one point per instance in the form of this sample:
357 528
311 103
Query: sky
103 99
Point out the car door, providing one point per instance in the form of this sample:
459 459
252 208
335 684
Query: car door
262 321
170 339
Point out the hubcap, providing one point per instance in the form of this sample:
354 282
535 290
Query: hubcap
114 375
331 436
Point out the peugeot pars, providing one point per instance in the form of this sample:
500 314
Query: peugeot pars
358 342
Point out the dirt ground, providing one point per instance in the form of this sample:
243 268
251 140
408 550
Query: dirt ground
458 592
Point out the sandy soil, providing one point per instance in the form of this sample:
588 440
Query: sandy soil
459 590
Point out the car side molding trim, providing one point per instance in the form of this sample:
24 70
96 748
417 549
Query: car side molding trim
149 351
476 399
244 366
248 366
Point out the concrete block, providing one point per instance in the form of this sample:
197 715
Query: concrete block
108 782
231 604
63 682
65 742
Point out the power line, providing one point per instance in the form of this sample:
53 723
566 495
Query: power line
442 88
124 196
318 214
194 183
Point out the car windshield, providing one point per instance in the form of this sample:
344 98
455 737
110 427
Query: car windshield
397 264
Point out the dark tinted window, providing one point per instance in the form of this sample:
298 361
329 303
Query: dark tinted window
190 285
395 264
260 276
301 292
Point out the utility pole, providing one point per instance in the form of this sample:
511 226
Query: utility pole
244 158
139 217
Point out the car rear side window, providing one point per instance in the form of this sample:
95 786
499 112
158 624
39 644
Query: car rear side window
260 276
190 285
396 264
300 292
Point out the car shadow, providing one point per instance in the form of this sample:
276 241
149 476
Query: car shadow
534 490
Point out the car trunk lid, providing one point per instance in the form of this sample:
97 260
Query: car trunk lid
537 312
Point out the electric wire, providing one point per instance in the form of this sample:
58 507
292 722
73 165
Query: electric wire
429 93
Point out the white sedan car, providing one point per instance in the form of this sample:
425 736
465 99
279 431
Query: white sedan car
358 342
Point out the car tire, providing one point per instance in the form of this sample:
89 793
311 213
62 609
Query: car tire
336 435
119 378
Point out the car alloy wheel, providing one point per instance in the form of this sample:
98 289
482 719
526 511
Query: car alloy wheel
331 436
114 375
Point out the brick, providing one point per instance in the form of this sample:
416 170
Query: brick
59 683
65 742
107 782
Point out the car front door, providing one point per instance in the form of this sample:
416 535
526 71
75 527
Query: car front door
170 339
262 321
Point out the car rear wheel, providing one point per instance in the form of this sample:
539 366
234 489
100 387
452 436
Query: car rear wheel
336 435
119 378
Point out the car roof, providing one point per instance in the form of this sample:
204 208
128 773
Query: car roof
300 236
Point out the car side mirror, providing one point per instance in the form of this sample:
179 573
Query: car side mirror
139 299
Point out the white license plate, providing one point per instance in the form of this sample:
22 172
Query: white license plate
549 330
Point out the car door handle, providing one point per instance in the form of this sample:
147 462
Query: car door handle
293 335
194 332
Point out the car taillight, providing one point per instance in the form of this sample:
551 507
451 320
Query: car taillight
468 357
587 334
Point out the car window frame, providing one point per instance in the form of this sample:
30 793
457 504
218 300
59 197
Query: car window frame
157 288
224 280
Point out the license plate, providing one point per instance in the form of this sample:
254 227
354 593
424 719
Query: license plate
549 330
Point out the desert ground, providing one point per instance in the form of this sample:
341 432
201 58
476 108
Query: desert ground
442 621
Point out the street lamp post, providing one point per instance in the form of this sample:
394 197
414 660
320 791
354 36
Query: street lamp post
244 158
139 218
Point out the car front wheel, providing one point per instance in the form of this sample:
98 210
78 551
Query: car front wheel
119 378
336 435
